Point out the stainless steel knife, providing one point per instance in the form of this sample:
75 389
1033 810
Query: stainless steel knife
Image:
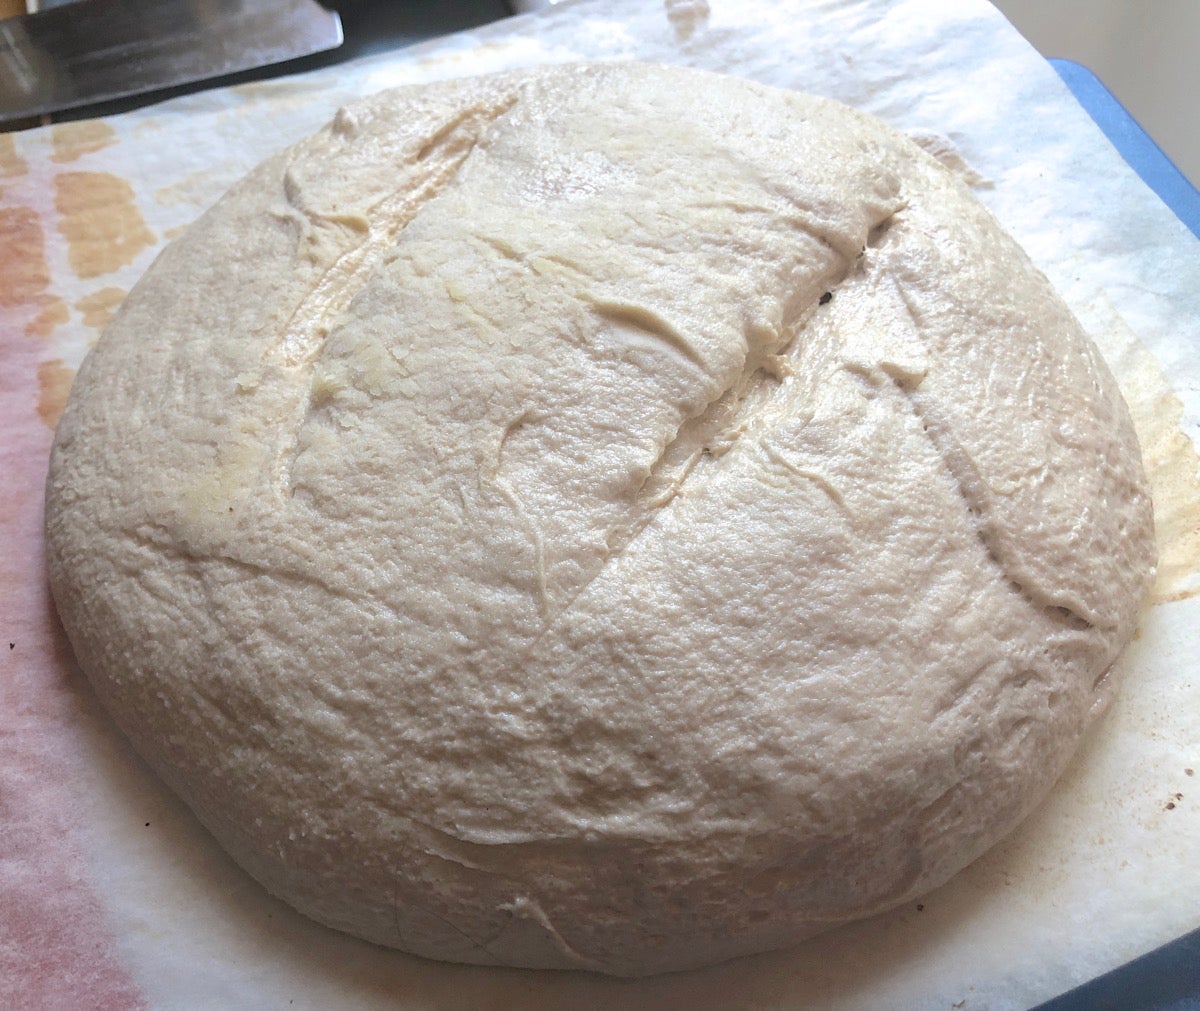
94 50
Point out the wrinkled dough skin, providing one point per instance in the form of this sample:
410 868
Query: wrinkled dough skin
554 520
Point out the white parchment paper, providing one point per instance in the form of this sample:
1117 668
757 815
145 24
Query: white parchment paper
1108 868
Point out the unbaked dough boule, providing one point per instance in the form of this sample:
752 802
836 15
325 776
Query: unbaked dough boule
610 517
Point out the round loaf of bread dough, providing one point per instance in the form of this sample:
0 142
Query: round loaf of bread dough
605 517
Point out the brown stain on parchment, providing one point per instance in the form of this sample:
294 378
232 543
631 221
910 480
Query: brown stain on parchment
11 163
100 306
24 274
74 140
54 313
279 88
686 16
54 383
180 192
1172 469
197 189
102 225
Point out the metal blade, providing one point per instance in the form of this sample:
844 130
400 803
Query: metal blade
97 50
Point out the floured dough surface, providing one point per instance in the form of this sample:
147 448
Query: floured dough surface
609 517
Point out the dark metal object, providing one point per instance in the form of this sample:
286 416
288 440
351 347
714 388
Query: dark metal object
1167 979
95 50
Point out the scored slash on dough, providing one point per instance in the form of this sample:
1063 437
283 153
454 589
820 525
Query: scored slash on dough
440 160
